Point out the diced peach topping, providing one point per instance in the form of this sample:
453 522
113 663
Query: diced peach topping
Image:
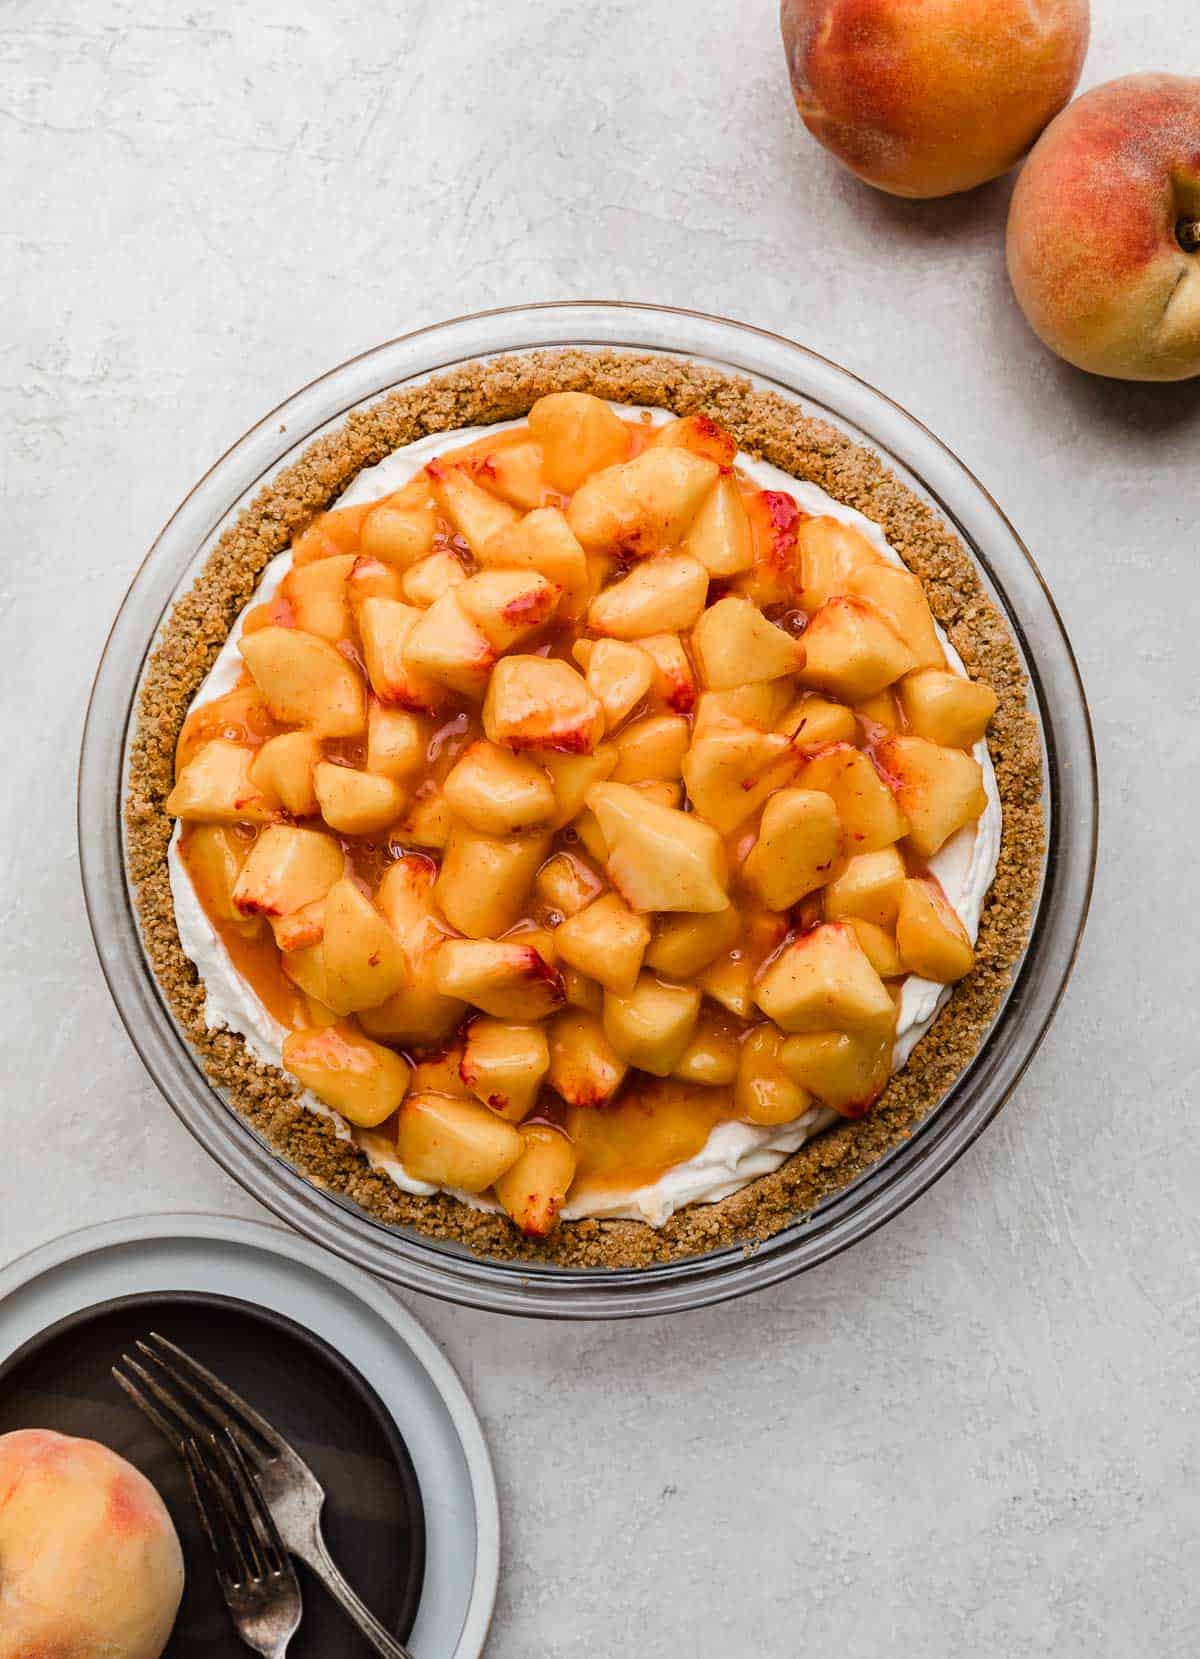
578 796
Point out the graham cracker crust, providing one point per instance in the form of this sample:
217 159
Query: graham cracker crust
766 426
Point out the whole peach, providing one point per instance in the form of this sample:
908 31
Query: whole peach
1104 231
90 1564
928 97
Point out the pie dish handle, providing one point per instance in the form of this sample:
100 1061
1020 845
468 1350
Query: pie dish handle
317 1557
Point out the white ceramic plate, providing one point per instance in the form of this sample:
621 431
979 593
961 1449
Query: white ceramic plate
358 1318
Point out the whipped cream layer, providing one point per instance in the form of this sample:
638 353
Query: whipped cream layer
735 1153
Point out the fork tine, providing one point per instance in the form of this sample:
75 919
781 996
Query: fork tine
212 1518
166 1399
267 1533
238 1511
237 1406
148 1410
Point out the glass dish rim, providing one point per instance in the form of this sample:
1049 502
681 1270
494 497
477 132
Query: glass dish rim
907 447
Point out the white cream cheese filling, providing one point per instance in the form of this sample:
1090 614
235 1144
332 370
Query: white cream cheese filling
735 1153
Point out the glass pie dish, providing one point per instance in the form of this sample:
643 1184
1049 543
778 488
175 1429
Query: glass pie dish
1055 701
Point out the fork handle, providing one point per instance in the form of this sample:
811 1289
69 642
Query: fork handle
318 1558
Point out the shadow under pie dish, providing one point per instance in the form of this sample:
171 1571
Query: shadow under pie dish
536 983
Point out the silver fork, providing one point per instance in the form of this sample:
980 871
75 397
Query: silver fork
291 1492
253 1569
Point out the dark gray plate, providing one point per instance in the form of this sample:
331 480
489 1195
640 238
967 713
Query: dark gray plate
374 1521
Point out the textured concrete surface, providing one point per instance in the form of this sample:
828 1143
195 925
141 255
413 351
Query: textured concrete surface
977 1433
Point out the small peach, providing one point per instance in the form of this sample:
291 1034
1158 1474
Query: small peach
91 1561
1104 231
929 97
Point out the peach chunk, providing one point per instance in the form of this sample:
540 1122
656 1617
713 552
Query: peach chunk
385 626
485 880
882 710
735 646
364 958
731 769
617 673
814 722
579 435
397 741
427 821
899 596
319 596
515 471
869 887
92 1563
284 767
300 928
684 945
930 97
663 594
830 553
416 1012
441 1074
216 787
651 750
503 977
652 1026
798 846
582 992
931 939
446 646
852 651
534 1189
879 947
424 583
643 505
305 681
674 683
497 792
720 535
541 703
474 512
606 941
214 855
398 535
287 868
763 1092
1104 230
362 1080
503 1064
945 708
566 883
774 577
372 579
304 965
866 806
508 605
572 776
659 858
823 981
356 803
585 1069
847 1071
543 542
455 1143
939 790
700 434
711 1056
746 705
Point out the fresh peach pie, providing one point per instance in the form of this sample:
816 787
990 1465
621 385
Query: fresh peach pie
585 814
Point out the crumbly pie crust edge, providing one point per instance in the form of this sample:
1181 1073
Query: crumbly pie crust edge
765 425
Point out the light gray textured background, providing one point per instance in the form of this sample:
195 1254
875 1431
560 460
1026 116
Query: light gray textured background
978 1432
